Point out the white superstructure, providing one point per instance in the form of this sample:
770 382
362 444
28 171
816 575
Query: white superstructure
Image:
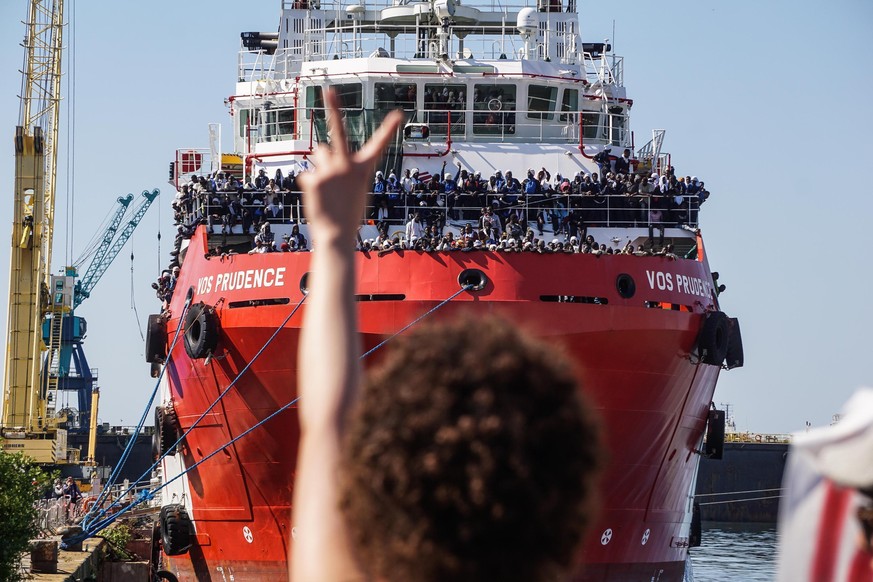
488 86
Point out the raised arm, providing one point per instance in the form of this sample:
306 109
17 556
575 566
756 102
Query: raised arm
328 370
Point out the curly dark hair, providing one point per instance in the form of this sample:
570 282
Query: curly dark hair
471 456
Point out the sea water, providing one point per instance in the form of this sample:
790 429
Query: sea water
730 551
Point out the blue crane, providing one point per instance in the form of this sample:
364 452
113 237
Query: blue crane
65 366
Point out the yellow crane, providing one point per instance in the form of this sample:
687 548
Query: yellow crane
29 421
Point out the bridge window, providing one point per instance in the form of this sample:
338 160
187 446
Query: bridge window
351 99
391 96
591 125
314 102
242 117
441 98
541 101
493 109
617 123
351 95
279 124
569 105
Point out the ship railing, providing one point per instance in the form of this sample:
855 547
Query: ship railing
192 162
124 431
756 437
558 212
483 42
345 42
508 7
342 37
269 70
605 68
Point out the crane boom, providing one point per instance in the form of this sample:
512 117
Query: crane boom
26 409
111 245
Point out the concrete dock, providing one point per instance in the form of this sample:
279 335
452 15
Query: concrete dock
73 566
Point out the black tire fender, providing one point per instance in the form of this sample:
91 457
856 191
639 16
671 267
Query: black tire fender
169 430
156 436
712 342
176 529
156 340
734 354
201 331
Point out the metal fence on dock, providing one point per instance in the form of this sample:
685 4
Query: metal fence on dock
53 514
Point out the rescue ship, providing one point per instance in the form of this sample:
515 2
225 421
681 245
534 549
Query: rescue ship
485 88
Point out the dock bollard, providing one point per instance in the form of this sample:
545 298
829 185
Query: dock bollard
44 556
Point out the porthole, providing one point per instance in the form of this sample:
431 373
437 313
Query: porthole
625 285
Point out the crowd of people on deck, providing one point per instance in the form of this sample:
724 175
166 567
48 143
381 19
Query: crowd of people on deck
418 237
616 194
265 241
221 201
166 283
502 212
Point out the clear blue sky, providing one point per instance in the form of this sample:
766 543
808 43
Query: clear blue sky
765 101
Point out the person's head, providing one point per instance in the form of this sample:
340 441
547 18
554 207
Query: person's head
481 469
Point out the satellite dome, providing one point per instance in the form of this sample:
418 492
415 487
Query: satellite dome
527 21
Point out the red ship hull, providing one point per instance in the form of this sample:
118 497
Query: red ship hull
635 357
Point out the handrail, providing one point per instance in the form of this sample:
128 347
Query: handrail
610 211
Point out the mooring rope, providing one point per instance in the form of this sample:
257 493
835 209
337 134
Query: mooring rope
130 444
415 321
209 408
90 527
737 492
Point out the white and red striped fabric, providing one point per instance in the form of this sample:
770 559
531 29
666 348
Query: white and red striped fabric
819 532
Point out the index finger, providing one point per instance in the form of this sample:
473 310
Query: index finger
336 127
379 141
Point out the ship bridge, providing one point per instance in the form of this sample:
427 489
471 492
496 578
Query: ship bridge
489 80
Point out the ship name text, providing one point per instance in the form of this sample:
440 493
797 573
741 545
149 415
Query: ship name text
679 283
235 280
